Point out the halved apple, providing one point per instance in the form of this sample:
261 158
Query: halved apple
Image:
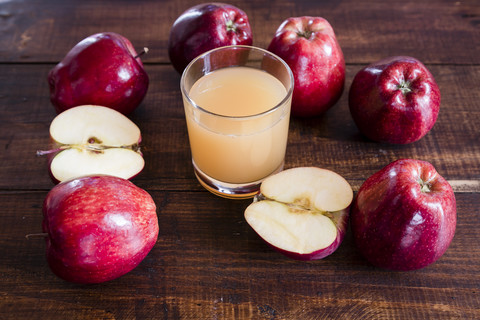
92 139
302 212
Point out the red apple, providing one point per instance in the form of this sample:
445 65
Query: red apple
404 216
99 228
394 100
204 27
103 69
302 212
309 46
90 140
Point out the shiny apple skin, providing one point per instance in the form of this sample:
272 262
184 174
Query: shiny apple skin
382 112
99 228
204 27
309 46
395 224
101 70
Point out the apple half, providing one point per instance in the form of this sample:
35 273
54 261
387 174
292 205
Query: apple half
302 212
90 140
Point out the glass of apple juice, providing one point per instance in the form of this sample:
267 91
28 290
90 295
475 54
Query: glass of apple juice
237 106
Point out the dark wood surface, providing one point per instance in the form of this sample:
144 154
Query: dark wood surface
208 263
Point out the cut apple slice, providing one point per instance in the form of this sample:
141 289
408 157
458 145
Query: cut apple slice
302 212
74 163
94 140
89 125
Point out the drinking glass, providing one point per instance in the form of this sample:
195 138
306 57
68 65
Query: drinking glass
232 153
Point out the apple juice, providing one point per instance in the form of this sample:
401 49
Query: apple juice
237 130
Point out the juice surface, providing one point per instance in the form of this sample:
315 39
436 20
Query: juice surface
237 91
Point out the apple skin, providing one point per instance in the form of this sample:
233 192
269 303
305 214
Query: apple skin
398 226
99 228
394 100
341 222
204 27
103 69
309 46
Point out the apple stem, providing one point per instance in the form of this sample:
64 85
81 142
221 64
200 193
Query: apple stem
141 53
259 197
305 34
45 152
36 235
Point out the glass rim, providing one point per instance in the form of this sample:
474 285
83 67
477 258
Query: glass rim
265 52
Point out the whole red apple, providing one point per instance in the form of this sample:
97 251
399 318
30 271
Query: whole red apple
309 46
394 100
103 69
204 27
404 216
99 228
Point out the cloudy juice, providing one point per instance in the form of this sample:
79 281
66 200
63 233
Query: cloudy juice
238 126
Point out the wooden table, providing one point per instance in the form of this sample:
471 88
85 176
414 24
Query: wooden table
208 263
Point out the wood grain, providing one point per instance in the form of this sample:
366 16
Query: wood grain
331 141
440 31
208 263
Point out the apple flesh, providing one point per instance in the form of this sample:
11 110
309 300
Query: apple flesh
94 140
404 216
204 27
98 228
302 212
394 100
309 46
103 69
